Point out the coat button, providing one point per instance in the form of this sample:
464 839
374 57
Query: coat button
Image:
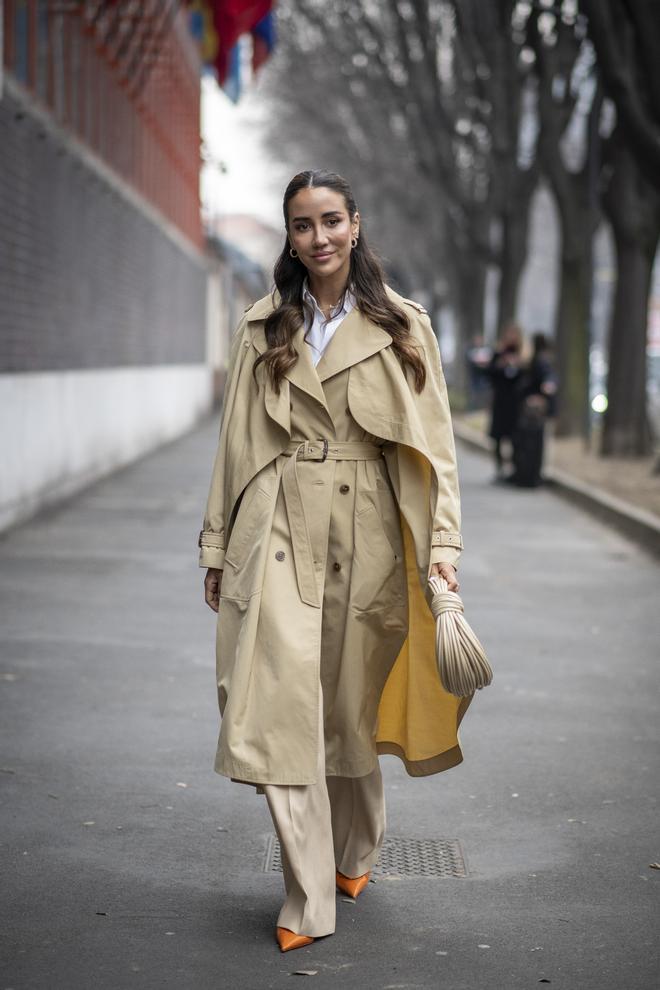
280 555
344 488
336 566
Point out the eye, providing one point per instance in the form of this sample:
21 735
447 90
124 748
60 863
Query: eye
301 226
333 221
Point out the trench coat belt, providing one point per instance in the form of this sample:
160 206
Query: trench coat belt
313 450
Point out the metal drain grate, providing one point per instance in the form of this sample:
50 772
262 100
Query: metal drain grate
399 857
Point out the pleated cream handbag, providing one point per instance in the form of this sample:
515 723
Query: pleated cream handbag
462 663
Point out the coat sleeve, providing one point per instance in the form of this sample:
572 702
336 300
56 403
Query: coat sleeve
212 536
446 540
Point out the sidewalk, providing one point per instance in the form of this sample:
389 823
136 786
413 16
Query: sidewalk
128 864
624 493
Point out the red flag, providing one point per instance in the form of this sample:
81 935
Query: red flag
232 18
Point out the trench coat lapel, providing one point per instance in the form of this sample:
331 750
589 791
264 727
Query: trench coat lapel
302 374
355 339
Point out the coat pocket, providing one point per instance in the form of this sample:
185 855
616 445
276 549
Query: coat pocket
378 576
243 573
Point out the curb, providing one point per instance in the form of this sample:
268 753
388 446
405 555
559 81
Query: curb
637 524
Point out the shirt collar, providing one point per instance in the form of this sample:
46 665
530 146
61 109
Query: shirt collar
345 305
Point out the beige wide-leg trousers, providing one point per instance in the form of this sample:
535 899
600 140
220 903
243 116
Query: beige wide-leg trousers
338 823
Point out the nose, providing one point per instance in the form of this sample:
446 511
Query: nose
320 237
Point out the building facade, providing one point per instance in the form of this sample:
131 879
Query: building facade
103 273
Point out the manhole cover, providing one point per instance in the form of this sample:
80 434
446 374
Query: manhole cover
401 857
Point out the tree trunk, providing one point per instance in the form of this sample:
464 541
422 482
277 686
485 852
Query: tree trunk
626 430
513 248
575 194
572 335
633 208
469 313
513 254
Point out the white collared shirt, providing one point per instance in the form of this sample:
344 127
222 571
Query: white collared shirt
319 331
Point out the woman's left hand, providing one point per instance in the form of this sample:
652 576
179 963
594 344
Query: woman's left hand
448 572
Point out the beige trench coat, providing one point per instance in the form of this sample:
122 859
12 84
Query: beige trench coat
325 563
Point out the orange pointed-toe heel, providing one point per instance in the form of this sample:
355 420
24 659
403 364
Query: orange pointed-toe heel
288 940
353 886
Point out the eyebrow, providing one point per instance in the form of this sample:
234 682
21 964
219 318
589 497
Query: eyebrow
330 213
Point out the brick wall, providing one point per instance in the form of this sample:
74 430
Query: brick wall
103 318
87 280
124 79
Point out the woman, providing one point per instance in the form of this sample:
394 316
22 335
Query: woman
504 373
333 497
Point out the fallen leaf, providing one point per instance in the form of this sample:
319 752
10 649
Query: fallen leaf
102 914
181 784
483 947
348 900
654 866
6 770
304 972
54 796
545 981
89 823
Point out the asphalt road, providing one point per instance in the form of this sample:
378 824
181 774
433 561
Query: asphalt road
127 863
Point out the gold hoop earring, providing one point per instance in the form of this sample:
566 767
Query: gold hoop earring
354 242
293 252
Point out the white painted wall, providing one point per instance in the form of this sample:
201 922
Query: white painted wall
62 430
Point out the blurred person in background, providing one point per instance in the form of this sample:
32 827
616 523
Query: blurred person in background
537 404
504 371
336 439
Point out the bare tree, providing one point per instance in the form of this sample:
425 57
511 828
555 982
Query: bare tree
568 110
627 41
488 42
425 99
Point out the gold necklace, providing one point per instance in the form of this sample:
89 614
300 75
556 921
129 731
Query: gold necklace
329 310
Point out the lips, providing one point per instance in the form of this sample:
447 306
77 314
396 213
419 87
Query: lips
322 257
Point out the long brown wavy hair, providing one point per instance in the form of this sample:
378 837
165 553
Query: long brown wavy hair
366 278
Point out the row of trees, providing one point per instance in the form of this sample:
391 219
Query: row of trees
455 110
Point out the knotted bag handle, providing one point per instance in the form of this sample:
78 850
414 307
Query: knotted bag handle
462 662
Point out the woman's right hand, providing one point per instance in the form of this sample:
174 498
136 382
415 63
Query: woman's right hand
212 586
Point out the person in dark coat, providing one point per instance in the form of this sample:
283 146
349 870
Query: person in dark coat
538 391
504 371
540 378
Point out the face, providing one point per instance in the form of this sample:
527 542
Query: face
321 230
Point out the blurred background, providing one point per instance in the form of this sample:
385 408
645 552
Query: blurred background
505 158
